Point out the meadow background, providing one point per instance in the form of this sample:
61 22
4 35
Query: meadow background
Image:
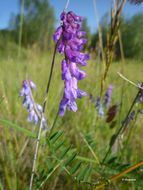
70 156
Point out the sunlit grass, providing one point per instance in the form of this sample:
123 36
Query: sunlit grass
16 165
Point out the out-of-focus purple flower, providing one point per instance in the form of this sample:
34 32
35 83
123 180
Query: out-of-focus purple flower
99 107
34 110
97 103
100 110
70 40
129 118
108 95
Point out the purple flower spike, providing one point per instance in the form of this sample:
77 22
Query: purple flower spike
34 110
71 41
108 95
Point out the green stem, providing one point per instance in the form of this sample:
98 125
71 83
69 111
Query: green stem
41 123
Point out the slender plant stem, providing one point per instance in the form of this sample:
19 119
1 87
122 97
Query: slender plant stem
99 33
35 154
90 148
119 175
122 128
100 42
49 175
111 42
67 4
53 125
44 107
129 135
21 27
41 123
50 77
115 3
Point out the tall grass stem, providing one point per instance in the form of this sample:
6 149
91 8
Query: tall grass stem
21 27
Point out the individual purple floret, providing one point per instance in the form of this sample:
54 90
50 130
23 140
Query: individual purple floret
34 109
129 118
70 41
108 95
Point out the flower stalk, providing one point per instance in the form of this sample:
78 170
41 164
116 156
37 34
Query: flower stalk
41 123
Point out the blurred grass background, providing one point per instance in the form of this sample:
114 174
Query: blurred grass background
16 166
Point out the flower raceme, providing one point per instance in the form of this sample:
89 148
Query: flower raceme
70 41
35 110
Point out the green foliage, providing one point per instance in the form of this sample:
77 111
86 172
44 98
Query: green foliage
38 24
131 36
132 30
66 158
63 157
17 128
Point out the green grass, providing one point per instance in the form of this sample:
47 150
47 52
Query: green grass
16 161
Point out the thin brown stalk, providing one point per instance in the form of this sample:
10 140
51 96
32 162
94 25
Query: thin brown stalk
99 32
119 175
112 38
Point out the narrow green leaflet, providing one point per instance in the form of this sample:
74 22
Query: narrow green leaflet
17 128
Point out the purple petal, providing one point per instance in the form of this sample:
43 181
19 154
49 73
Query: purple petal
61 47
36 119
76 18
72 106
81 34
65 71
57 34
31 116
81 93
77 73
32 85
100 111
39 108
62 107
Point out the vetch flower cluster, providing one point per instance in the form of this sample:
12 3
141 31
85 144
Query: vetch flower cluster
70 41
34 110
